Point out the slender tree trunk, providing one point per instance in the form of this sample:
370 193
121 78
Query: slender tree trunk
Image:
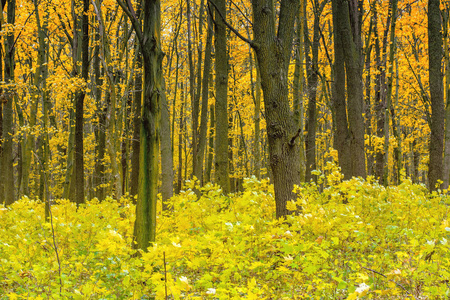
436 94
387 113
8 128
166 152
211 144
341 135
79 108
198 165
298 85
180 143
446 163
100 127
194 100
135 145
221 63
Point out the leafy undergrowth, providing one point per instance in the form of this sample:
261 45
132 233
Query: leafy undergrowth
355 239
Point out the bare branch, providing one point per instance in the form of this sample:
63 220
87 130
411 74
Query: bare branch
250 42
129 11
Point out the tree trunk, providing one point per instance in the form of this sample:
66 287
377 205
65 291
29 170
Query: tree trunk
199 155
135 145
387 111
210 144
347 18
273 53
446 163
166 152
79 108
298 85
8 128
312 62
341 135
436 94
99 129
221 110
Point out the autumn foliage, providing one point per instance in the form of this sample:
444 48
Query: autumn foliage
354 239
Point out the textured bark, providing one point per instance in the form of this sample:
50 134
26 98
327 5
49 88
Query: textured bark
221 82
436 94
387 112
199 155
341 135
210 144
312 62
99 129
79 108
135 145
346 16
298 86
166 153
446 163
149 39
273 51
8 128
180 143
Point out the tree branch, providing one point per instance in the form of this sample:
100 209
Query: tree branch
250 42
129 11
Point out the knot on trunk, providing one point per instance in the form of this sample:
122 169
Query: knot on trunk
275 131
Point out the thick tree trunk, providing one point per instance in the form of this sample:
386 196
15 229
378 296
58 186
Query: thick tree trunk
221 63
273 52
436 94
346 19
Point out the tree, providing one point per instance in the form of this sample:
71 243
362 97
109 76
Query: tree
436 94
148 34
221 63
8 129
79 107
348 65
273 50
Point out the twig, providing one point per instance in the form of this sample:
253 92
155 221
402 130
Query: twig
291 142
55 246
165 273
398 284
250 42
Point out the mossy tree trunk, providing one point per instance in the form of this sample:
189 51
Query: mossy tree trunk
273 50
148 34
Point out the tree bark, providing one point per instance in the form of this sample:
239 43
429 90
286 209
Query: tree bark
436 94
221 138
346 17
166 152
8 127
199 155
273 51
79 108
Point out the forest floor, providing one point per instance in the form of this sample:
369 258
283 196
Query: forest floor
352 240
